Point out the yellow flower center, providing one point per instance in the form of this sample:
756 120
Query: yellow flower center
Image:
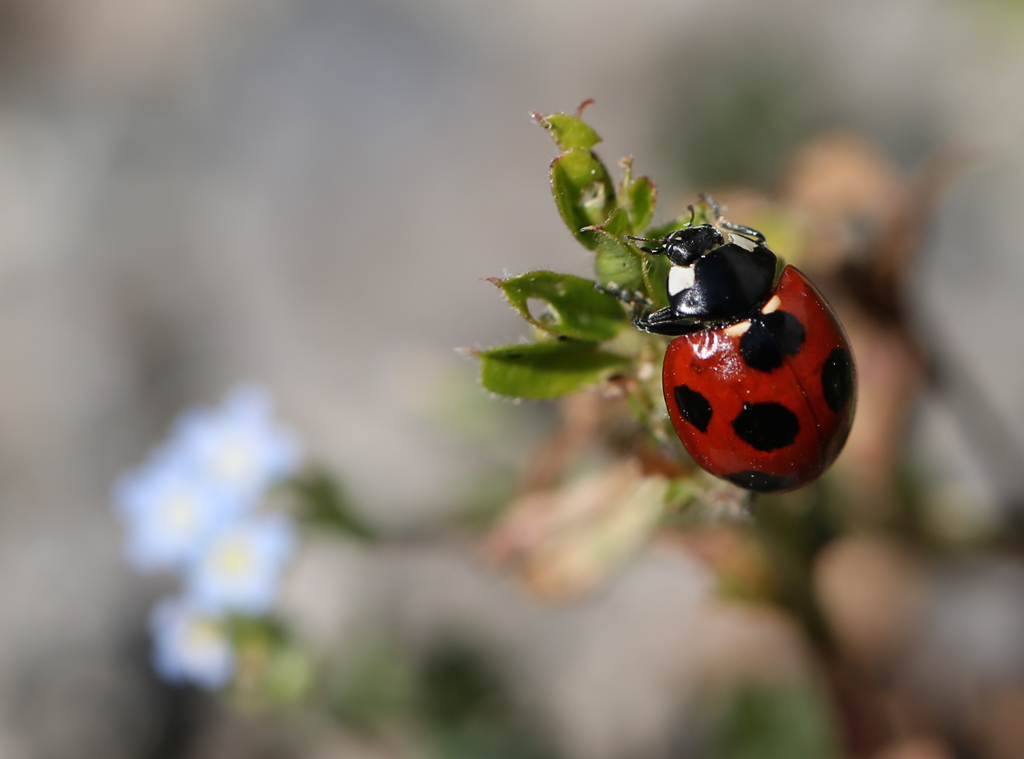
233 559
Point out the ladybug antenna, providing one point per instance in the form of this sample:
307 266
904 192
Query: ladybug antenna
693 214
644 248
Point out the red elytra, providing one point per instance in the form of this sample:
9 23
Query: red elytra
774 428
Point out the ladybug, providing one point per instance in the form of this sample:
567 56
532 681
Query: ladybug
760 382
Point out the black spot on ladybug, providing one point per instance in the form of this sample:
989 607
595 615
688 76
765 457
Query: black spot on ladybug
693 407
766 426
760 481
837 379
769 337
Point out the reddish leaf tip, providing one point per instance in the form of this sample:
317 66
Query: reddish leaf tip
582 106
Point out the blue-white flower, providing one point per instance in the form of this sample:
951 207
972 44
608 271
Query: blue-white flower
237 447
169 513
189 646
240 568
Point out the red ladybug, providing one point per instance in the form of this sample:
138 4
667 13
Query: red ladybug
760 384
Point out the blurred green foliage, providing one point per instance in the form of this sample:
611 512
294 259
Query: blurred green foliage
376 686
451 700
273 670
322 502
775 721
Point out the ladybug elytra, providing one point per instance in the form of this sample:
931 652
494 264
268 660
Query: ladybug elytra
760 381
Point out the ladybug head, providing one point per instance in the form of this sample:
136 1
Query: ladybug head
684 246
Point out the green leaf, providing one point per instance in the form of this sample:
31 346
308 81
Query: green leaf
618 223
655 270
617 263
637 196
546 370
322 503
639 200
583 193
574 308
568 132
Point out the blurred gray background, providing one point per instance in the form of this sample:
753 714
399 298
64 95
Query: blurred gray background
307 193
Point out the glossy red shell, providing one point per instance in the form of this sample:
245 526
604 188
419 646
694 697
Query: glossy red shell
710 363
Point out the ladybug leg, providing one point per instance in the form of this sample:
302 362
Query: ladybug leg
715 208
635 299
739 229
629 297
665 322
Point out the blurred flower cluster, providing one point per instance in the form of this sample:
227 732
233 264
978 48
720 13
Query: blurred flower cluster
193 509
